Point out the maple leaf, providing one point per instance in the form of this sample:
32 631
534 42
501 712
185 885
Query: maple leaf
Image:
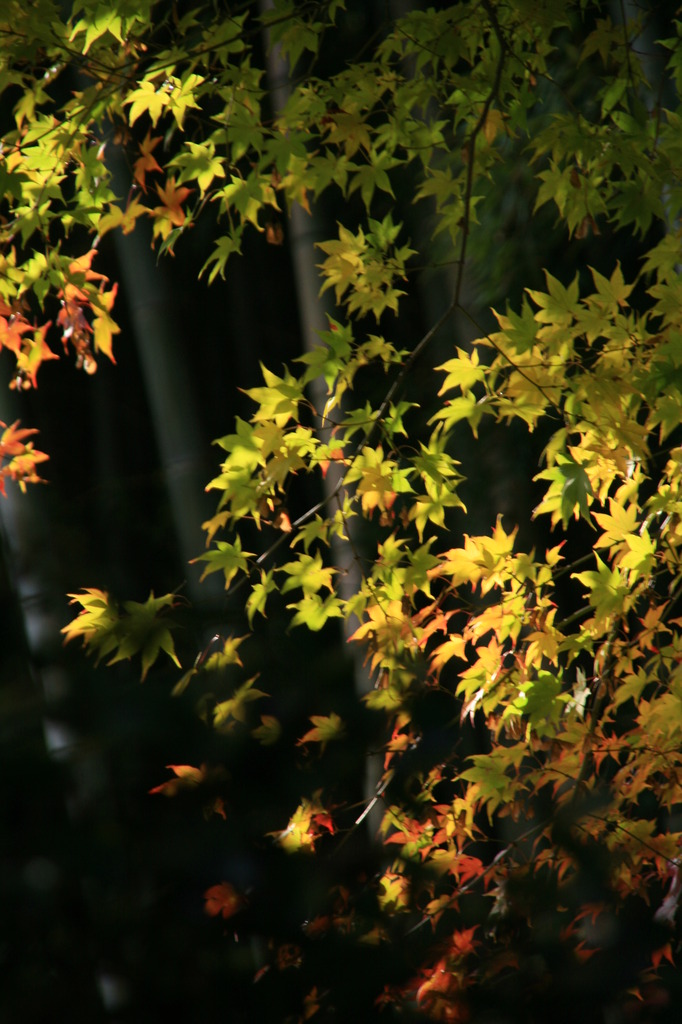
12 329
651 625
146 162
186 777
96 621
34 352
170 214
440 982
80 270
124 219
335 455
309 573
227 712
227 655
379 479
226 557
453 647
463 942
140 628
663 953
223 899
147 632
617 526
304 826
147 99
324 820
22 456
103 327
570 492
268 732
278 399
608 593
325 728
12 438
394 892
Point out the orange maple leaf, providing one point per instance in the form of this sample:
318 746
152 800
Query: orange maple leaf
11 330
463 942
439 981
82 266
147 161
34 352
664 953
22 456
282 521
170 214
335 455
12 439
71 318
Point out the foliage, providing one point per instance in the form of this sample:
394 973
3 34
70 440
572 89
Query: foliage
548 797
18 457
136 628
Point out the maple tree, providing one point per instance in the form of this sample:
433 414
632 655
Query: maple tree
525 699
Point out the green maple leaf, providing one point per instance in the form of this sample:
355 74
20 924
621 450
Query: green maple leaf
225 557
575 491
608 589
